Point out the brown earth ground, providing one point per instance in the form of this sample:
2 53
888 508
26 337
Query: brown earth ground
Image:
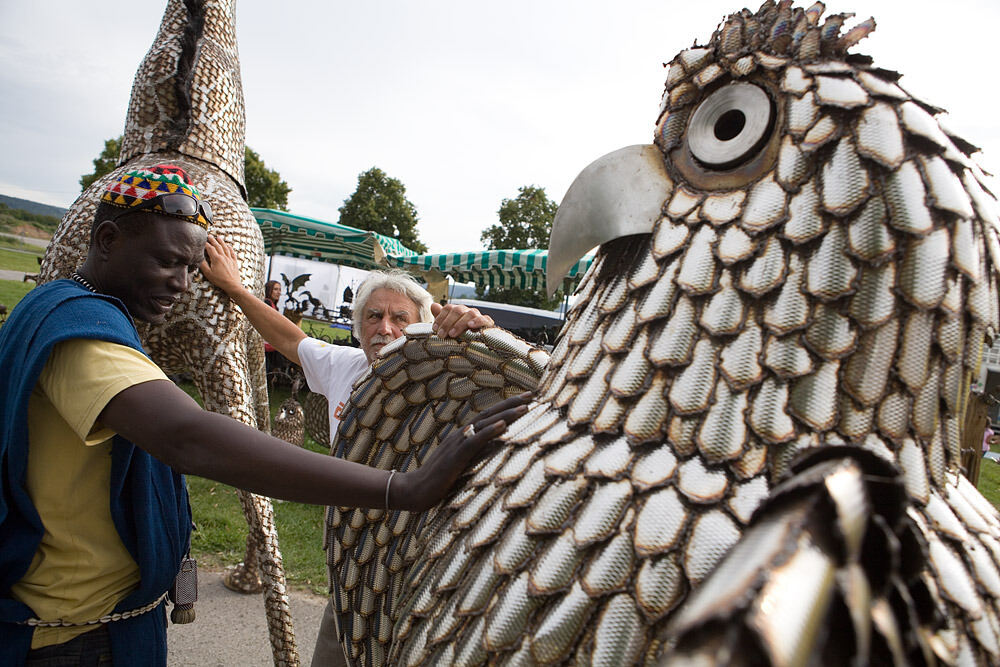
29 230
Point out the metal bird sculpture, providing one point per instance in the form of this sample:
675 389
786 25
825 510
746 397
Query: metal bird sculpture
316 417
770 358
289 421
187 108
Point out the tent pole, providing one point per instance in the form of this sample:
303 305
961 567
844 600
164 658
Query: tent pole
336 289
565 300
270 258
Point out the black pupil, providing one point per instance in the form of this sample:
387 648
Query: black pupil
729 125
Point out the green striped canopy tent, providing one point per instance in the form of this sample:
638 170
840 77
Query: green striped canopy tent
307 238
523 269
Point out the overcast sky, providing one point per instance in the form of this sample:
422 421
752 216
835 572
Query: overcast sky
464 102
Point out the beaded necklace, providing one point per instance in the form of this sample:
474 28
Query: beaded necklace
83 281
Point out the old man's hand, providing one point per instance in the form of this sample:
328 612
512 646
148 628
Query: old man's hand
221 266
452 320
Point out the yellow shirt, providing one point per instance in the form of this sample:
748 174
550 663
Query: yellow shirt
81 569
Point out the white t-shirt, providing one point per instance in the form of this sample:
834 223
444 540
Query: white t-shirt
332 370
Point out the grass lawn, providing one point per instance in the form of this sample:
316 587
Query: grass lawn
13 260
220 536
989 479
323 330
12 291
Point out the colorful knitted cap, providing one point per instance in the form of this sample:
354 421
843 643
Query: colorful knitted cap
136 188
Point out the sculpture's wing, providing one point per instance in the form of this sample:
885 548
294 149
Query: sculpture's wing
419 389
828 571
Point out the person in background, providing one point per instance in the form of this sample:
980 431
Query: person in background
385 304
272 293
272 358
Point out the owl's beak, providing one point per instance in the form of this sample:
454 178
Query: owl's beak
620 194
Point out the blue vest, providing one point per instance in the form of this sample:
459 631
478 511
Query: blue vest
149 504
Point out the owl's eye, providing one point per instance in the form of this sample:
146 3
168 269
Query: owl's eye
730 126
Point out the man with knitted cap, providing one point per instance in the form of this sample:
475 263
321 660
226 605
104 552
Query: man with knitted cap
94 519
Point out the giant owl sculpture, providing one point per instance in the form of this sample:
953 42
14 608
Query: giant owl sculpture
187 109
770 358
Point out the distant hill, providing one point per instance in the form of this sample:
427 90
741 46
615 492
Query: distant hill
32 207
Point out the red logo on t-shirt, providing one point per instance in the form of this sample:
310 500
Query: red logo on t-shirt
340 408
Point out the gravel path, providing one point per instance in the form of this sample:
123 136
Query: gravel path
230 629
11 275
41 243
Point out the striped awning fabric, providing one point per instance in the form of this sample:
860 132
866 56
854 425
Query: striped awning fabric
523 269
308 238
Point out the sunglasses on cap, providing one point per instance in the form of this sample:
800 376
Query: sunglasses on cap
176 203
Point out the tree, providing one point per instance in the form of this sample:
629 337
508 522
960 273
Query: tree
379 204
525 223
265 189
103 163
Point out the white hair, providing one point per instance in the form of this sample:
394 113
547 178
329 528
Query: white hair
394 280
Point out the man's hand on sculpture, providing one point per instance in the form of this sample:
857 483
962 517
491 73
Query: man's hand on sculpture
222 269
423 488
452 320
221 266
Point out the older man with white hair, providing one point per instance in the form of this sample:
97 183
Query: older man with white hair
385 304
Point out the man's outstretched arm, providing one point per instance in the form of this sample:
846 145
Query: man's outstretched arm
169 425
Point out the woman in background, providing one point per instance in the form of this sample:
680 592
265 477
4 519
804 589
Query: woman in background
272 358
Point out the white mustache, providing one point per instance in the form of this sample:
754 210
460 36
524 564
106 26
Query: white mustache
380 339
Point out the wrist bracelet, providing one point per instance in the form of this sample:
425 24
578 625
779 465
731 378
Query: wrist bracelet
388 483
